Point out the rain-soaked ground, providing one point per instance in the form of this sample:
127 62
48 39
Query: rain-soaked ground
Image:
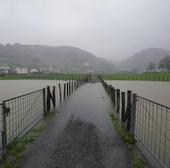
80 136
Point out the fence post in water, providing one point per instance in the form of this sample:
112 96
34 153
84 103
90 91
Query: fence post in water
72 86
123 115
77 84
133 113
48 98
54 97
44 104
118 100
60 92
64 91
109 90
4 129
67 90
113 93
128 110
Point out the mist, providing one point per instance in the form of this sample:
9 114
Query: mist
113 29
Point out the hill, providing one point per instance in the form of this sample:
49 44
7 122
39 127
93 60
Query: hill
57 59
141 59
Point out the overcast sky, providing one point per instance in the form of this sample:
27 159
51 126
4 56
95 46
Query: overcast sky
114 29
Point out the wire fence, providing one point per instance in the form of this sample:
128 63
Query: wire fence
147 120
1 128
19 114
153 128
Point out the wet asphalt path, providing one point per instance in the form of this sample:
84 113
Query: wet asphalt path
80 136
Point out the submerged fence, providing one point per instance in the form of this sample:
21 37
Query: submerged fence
147 120
19 114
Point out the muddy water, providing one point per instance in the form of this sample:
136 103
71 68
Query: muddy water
12 88
156 91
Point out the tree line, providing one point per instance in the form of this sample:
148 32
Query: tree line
163 65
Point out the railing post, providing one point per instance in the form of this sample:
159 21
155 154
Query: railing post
123 115
48 99
44 103
60 92
128 110
4 129
69 88
72 86
118 100
111 93
113 96
64 91
54 97
133 113
110 89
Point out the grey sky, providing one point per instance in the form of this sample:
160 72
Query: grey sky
114 29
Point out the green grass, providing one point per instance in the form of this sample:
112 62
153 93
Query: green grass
16 149
43 77
128 138
157 76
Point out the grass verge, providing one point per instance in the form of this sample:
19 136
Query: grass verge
128 138
16 149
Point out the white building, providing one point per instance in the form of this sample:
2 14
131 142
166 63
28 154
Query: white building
21 70
34 70
4 69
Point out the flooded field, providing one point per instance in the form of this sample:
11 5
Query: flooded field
12 88
155 91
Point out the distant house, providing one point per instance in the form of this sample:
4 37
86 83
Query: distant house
34 70
21 70
87 63
4 69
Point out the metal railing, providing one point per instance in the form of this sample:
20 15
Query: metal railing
1 129
147 120
19 114
153 128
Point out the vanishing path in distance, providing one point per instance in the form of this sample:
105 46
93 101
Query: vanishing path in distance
81 135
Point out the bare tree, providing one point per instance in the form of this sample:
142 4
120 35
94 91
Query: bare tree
165 63
151 67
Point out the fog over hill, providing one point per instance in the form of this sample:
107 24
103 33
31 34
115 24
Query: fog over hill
141 59
57 59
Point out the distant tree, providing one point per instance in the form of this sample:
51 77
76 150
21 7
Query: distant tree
165 63
151 67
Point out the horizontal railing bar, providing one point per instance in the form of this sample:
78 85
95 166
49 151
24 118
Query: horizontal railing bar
22 95
154 102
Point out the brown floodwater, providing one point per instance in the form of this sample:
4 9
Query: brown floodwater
13 88
155 91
